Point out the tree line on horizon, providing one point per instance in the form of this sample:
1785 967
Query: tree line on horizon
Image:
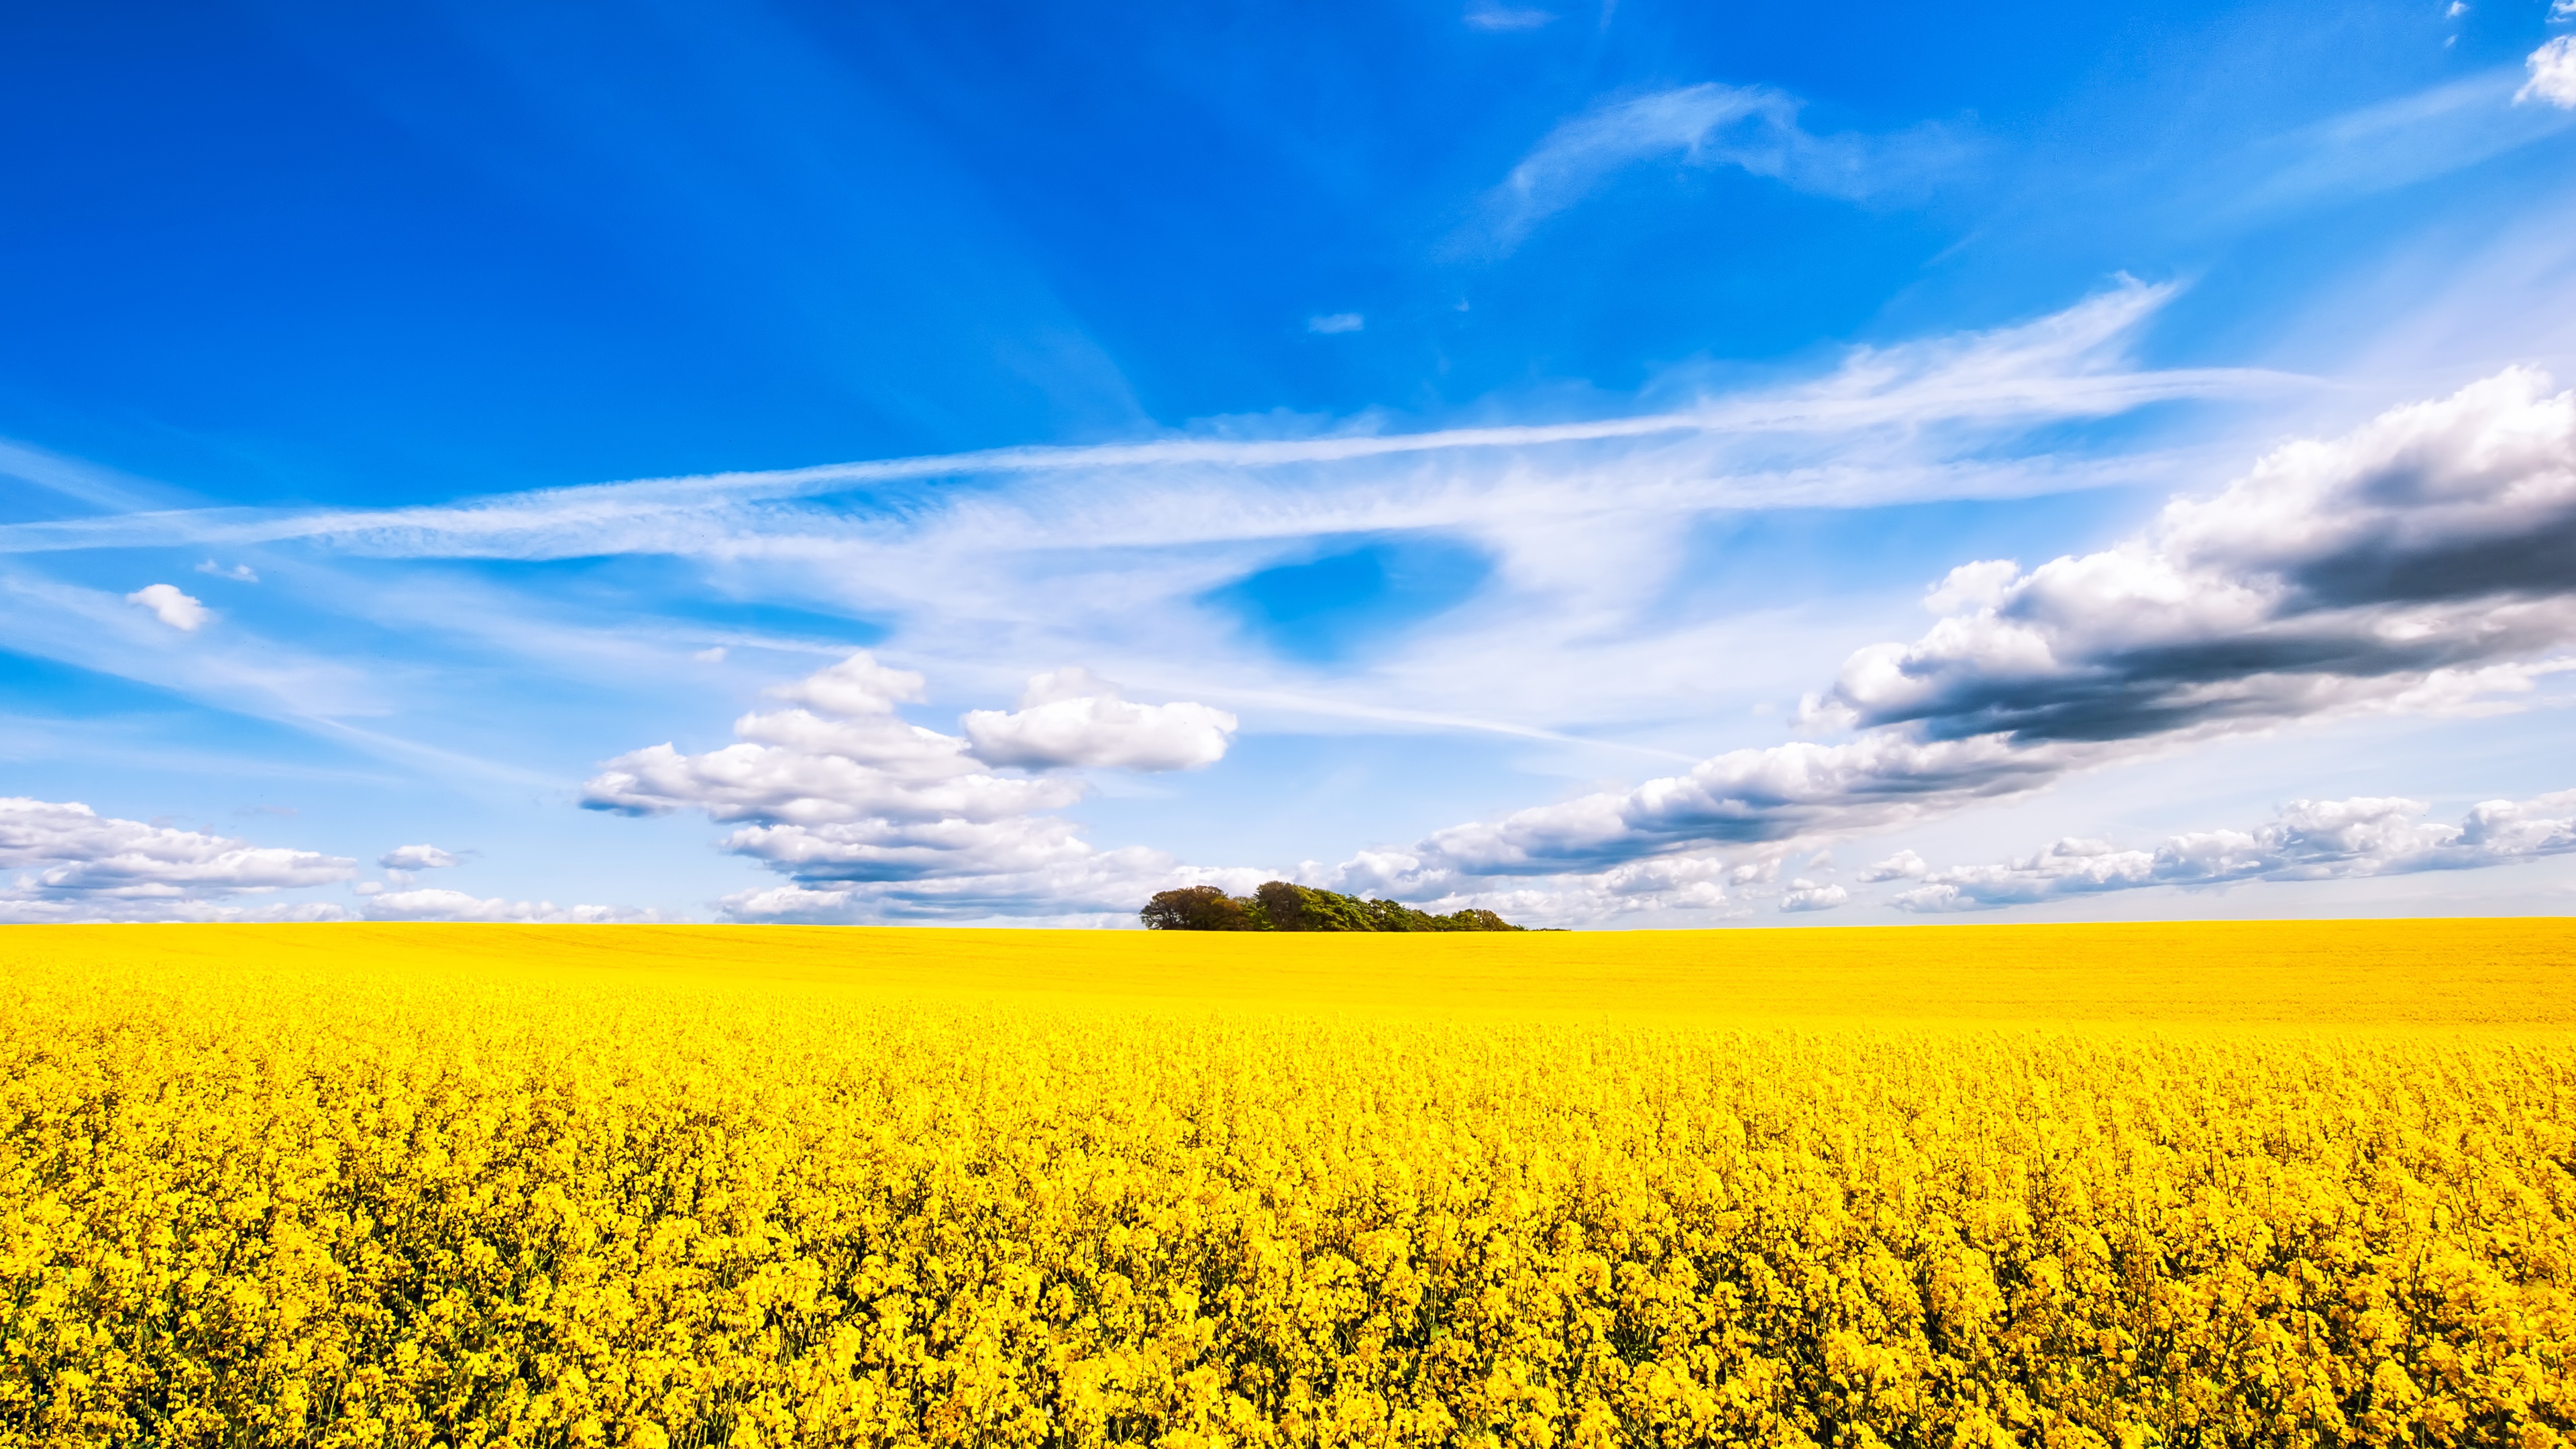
1280 905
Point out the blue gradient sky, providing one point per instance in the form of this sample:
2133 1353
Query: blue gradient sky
335 320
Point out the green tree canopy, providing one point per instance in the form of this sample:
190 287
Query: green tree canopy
1280 905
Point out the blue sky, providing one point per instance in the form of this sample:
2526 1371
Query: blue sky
1624 464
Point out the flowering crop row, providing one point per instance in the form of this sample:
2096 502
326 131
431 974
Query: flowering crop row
353 1209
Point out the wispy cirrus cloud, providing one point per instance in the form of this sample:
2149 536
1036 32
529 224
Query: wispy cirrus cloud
1906 422
1026 556
1486 16
1754 129
2380 147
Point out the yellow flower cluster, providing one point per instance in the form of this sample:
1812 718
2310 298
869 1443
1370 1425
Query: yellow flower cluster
353 1204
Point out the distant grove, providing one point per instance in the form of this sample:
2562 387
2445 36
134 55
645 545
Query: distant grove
1281 906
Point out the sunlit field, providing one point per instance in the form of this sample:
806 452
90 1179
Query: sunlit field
2225 1184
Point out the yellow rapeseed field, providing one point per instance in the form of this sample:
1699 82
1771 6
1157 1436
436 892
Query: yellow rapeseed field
2283 1183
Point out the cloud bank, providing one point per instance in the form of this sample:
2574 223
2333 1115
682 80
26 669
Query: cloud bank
2418 556
74 864
2310 840
436 904
870 816
2426 560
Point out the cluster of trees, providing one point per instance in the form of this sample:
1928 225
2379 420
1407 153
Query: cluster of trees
1280 906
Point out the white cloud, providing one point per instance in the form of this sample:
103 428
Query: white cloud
2424 561
1069 718
1507 17
73 863
2310 840
2073 363
416 857
1854 435
449 905
857 686
1806 895
171 607
1331 323
1688 890
1071 885
1745 797
1753 128
846 760
2553 73
1903 865
238 573
77 910
2426 549
872 816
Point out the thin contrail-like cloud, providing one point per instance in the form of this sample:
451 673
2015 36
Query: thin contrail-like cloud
2052 368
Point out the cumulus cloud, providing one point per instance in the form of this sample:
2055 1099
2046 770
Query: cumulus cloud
1069 718
1752 128
870 815
73 863
842 757
1696 885
430 904
1903 865
2436 542
1331 323
2553 73
171 607
1746 797
1806 895
238 573
2426 560
2308 840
